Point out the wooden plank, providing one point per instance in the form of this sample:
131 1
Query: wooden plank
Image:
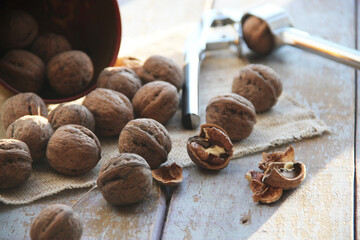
357 140
218 205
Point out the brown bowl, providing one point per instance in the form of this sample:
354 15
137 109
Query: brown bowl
91 26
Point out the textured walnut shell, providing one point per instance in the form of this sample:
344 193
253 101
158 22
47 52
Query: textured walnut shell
287 156
147 138
20 105
120 79
73 150
18 29
257 35
211 149
33 130
161 68
125 179
157 100
264 193
71 113
260 84
15 163
70 72
169 176
129 62
112 111
235 114
250 175
22 70
56 222
49 44
284 175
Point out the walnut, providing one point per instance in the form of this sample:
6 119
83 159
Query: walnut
161 68
112 111
56 221
147 138
22 70
129 62
235 114
49 44
20 105
73 150
169 176
260 84
157 100
35 131
18 29
15 163
125 179
71 113
120 79
70 72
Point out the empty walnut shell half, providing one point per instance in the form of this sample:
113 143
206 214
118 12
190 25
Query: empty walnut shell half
287 156
264 193
284 175
170 175
211 149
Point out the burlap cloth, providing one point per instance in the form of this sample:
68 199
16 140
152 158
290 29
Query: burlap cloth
287 121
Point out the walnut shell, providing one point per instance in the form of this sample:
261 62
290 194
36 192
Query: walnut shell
73 150
56 221
147 138
18 29
157 100
264 193
15 163
260 84
35 131
70 72
112 111
120 79
125 179
287 156
161 68
20 105
257 35
235 114
169 176
49 44
71 113
129 62
22 70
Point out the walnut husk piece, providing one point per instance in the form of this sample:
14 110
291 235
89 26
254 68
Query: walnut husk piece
73 150
211 149
15 163
147 138
20 105
125 179
170 175
56 221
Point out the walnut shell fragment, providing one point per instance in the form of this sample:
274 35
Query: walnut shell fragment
287 156
211 149
264 193
169 176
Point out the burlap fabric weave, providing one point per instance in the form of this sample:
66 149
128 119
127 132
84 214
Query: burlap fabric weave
286 122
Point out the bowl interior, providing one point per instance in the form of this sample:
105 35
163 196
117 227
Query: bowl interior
91 26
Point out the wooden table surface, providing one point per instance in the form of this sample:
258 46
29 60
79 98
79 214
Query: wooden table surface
210 205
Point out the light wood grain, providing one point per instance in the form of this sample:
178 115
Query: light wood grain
219 205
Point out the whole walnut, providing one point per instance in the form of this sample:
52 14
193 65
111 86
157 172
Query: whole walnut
49 44
56 222
147 138
18 29
15 163
71 113
129 62
157 100
260 84
33 130
73 150
161 68
70 72
125 179
112 111
235 114
20 105
120 79
22 70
